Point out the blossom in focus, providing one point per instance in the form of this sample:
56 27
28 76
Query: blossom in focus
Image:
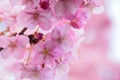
79 19
46 53
43 35
31 19
14 46
65 7
33 72
60 36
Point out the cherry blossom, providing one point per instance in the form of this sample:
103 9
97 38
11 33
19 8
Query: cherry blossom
92 5
28 3
46 53
42 36
13 46
31 19
61 38
79 19
33 72
65 7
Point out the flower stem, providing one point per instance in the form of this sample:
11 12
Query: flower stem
23 30
29 55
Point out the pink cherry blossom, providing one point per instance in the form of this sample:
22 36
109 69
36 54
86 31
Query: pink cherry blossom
34 72
14 46
79 19
28 3
65 7
62 64
42 36
46 53
93 6
31 19
60 36
90 3
9 17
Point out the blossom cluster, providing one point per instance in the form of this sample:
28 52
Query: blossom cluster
42 35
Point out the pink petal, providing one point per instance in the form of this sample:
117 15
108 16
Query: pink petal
72 6
59 9
25 20
38 59
6 52
4 41
63 28
67 44
18 53
49 45
38 47
44 23
22 41
26 74
55 34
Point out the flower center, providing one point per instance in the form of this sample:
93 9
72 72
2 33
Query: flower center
12 44
60 39
35 73
36 16
46 52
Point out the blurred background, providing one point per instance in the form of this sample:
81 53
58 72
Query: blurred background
99 54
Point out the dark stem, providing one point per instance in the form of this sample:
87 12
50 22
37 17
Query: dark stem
23 30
